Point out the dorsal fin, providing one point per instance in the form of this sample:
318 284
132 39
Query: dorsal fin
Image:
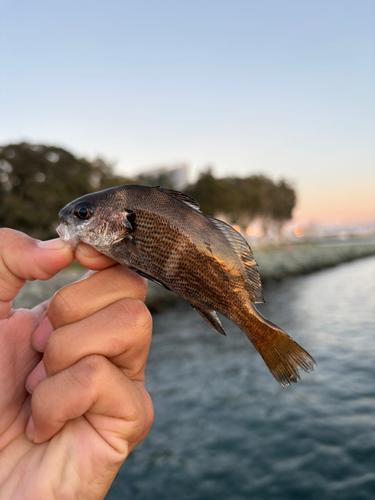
245 254
188 200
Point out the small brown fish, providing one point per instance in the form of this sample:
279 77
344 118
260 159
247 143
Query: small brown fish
162 235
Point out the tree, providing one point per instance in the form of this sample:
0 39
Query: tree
244 199
259 196
214 195
282 202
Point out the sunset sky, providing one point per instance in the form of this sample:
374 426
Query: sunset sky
279 87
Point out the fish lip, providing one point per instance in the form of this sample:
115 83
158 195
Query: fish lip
67 235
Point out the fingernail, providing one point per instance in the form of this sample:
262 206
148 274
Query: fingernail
30 429
35 377
56 244
87 250
42 334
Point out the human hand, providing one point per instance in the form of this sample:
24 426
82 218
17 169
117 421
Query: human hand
82 356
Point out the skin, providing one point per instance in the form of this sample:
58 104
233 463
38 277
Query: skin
73 403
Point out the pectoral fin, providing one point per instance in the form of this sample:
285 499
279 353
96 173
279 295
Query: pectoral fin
148 277
128 220
212 319
128 242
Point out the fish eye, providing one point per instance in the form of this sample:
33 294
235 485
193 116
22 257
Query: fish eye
83 210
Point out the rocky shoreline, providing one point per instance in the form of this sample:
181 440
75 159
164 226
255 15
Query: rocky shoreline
274 264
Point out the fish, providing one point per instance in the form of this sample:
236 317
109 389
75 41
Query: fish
162 235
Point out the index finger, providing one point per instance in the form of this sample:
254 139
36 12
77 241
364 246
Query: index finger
23 258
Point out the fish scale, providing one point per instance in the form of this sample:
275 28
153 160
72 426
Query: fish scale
162 235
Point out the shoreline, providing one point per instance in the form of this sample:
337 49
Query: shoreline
280 263
275 263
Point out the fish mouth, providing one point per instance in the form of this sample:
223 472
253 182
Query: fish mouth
67 235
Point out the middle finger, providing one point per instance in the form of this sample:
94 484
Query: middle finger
121 332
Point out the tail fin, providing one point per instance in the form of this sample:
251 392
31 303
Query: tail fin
282 355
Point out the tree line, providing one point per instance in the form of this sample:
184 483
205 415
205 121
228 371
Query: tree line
36 181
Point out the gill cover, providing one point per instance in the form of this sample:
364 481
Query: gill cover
119 226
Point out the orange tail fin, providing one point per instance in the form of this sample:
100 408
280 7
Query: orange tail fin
282 355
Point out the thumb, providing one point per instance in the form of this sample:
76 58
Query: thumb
23 258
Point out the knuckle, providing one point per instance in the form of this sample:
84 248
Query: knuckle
136 315
141 316
142 417
39 399
62 307
126 281
52 354
139 285
90 369
41 404
148 412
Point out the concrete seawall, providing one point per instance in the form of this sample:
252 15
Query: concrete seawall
274 264
280 263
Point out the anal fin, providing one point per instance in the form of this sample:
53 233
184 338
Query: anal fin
212 319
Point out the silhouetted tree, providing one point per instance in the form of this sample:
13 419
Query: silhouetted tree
214 195
244 199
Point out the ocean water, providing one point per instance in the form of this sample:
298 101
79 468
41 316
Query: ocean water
224 429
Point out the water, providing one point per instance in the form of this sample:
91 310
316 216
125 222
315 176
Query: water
224 429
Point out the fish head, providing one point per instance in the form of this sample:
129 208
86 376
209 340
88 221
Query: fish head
96 220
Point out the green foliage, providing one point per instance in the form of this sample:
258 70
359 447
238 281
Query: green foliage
37 181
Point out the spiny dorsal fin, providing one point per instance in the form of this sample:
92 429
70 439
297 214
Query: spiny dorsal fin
245 254
188 200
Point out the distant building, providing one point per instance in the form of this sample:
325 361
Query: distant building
172 176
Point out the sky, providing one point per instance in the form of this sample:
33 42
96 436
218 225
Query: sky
284 88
